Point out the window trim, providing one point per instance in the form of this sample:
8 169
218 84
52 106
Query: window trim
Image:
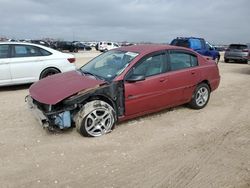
41 49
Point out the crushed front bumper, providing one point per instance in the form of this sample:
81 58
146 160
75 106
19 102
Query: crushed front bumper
43 120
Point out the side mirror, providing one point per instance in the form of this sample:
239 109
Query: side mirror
135 78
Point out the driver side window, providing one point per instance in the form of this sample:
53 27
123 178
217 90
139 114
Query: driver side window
153 65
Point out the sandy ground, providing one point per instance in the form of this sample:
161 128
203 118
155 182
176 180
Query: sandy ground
175 148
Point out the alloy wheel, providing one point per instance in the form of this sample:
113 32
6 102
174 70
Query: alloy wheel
202 96
99 122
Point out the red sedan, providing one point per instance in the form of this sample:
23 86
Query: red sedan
121 84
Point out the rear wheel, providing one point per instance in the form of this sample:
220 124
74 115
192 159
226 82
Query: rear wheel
200 96
96 118
49 72
226 60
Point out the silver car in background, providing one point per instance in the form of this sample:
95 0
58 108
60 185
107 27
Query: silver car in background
237 52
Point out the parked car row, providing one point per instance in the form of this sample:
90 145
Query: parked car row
70 46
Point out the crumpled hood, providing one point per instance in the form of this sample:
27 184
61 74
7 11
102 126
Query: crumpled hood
56 88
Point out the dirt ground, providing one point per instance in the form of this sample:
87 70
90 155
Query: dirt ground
175 148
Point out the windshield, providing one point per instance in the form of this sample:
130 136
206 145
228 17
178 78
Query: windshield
109 65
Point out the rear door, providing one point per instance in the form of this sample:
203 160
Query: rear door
184 75
26 63
5 74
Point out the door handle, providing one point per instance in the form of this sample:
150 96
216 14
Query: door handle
163 79
193 73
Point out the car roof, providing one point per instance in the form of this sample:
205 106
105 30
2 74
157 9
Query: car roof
149 48
33 44
23 43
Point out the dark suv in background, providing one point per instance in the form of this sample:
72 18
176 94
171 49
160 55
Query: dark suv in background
199 45
66 45
237 52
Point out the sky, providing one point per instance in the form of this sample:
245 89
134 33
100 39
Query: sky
158 21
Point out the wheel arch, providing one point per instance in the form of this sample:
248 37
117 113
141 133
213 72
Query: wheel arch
51 67
105 99
206 82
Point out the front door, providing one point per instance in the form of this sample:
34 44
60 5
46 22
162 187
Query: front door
151 93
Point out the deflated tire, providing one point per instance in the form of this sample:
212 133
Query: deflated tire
96 118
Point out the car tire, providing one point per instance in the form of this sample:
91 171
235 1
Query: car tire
95 118
245 61
226 60
200 96
48 72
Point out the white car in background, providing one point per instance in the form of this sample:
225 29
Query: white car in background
105 46
22 63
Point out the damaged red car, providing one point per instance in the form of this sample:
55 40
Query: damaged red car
123 83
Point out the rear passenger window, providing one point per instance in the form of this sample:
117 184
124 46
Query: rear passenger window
4 50
182 60
20 51
26 51
238 46
44 52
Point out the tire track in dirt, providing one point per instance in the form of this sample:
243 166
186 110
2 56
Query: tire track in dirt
186 173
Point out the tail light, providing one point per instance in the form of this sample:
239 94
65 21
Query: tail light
71 60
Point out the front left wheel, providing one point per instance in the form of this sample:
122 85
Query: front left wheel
96 118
